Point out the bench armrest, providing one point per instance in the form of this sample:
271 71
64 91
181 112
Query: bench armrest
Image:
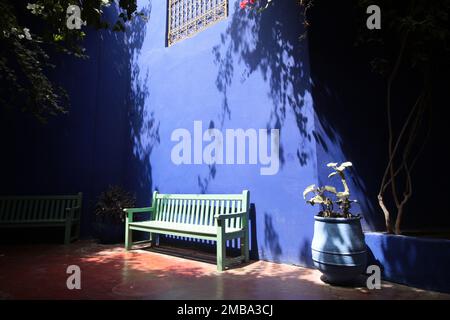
231 215
138 210
74 213
130 211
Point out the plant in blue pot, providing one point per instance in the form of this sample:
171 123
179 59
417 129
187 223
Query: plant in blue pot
109 215
338 247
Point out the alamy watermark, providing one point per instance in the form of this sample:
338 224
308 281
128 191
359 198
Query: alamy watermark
236 146
74 280
74 20
374 20
374 279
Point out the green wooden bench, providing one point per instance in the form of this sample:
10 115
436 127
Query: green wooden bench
218 217
42 211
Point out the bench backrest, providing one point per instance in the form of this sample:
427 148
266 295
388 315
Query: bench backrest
199 209
36 208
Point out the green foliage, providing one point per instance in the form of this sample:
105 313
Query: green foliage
30 34
110 204
342 198
320 198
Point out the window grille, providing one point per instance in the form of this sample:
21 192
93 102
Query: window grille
188 17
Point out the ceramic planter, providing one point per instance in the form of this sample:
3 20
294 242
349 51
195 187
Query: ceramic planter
338 249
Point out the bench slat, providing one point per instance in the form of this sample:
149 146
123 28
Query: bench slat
30 208
166 208
176 206
175 209
167 211
227 211
160 208
233 210
36 208
56 209
46 209
171 209
239 219
200 196
208 204
189 212
157 209
161 212
13 207
216 211
197 211
202 212
34 198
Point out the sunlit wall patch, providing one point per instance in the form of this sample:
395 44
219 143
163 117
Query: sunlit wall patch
188 17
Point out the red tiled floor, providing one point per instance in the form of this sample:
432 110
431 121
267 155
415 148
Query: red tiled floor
109 272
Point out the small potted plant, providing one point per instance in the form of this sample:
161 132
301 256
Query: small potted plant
109 215
338 247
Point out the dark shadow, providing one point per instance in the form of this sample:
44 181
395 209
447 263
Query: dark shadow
193 248
268 43
349 102
142 121
203 183
254 251
105 139
271 241
304 254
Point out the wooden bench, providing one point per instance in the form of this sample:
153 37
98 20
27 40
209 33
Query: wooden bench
218 217
42 211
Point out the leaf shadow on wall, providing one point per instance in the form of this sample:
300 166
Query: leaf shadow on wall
144 125
268 43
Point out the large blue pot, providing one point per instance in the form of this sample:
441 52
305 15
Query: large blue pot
338 249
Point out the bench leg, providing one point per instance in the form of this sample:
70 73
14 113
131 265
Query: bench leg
154 239
67 232
245 247
221 249
128 238
77 230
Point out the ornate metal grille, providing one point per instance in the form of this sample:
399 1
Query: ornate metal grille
188 17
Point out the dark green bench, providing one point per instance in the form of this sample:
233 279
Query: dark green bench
42 211
218 217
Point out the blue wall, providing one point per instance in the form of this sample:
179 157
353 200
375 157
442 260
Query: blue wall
249 71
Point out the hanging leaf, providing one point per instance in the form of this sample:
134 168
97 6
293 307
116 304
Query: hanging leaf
316 200
346 164
330 189
308 189
332 164
332 174
342 194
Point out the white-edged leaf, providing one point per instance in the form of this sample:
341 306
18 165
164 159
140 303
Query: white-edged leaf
342 194
346 164
308 189
343 166
316 200
332 164
330 189
332 174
